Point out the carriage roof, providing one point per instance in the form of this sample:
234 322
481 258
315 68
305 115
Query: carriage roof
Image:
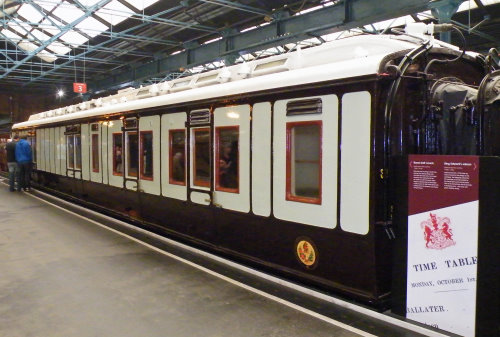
343 58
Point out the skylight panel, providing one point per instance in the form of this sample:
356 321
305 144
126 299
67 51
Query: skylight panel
400 21
114 12
332 36
48 27
58 48
21 27
28 46
141 4
312 9
48 6
88 3
91 27
68 12
39 35
249 29
73 38
212 40
219 64
30 13
10 35
254 27
466 5
47 56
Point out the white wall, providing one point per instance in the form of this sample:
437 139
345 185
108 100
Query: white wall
151 123
261 159
114 126
325 214
86 165
355 162
175 121
238 115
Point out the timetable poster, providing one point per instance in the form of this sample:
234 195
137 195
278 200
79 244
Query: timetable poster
443 207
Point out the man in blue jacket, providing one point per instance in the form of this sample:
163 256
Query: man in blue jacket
23 158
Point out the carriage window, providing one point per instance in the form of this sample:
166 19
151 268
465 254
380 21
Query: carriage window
227 140
147 155
70 146
132 154
95 153
303 174
177 160
117 154
78 152
201 157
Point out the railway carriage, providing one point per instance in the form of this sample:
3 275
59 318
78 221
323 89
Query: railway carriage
281 163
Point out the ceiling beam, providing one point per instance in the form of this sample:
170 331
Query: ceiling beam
128 31
67 28
238 6
344 15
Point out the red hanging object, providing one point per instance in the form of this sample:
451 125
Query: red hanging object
80 88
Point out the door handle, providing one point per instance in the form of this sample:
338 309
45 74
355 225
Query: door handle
213 203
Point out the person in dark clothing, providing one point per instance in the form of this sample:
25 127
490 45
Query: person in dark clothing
23 157
12 164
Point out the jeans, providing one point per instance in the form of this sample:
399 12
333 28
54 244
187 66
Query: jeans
13 175
24 175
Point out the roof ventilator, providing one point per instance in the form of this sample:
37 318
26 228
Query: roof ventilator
207 80
271 67
181 85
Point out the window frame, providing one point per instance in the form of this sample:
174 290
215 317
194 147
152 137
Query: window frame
116 173
217 160
95 146
289 148
128 156
171 179
77 168
141 154
201 183
70 166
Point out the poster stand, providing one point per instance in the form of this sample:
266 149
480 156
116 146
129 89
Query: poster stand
447 252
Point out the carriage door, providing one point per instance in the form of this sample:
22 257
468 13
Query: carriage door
131 153
199 130
115 151
231 156
149 155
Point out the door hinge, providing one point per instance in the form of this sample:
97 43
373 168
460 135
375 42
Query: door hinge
387 226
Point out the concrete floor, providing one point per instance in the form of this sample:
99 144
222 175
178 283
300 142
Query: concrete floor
64 276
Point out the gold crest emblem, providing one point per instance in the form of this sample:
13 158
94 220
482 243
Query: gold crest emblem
306 253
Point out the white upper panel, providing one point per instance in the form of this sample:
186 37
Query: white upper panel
350 57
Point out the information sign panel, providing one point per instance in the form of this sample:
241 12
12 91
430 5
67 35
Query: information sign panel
443 205
80 88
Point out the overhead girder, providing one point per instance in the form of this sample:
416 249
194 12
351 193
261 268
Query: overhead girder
44 44
282 30
88 11
91 49
129 50
340 16
487 20
241 7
